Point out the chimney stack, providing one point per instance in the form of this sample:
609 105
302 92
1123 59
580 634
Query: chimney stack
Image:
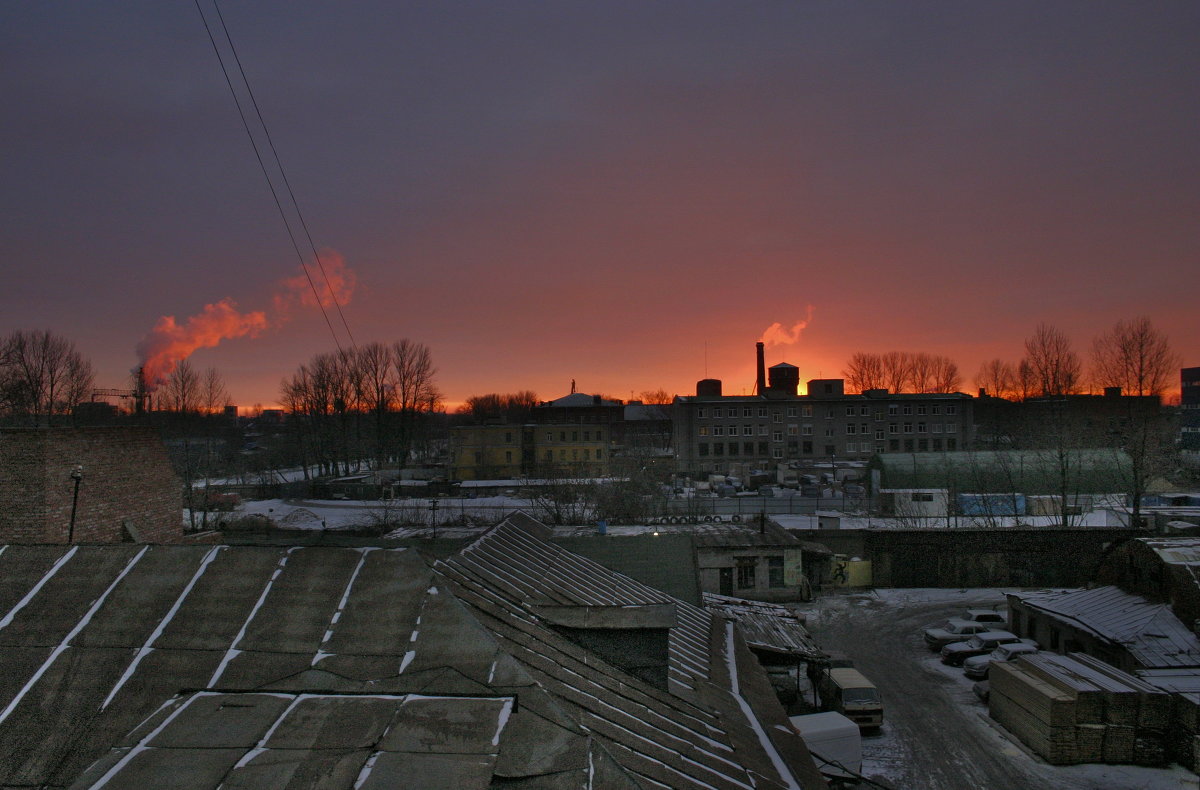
760 384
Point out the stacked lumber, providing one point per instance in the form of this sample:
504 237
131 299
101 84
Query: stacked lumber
1183 728
1076 709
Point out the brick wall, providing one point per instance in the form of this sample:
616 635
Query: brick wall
127 476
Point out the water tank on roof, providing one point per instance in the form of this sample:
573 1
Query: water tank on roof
784 378
708 388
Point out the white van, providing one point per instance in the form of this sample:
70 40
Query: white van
848 692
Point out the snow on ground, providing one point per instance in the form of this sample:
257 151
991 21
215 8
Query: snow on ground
349 513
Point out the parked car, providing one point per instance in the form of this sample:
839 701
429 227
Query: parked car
984 616
954 630
977 667
956 653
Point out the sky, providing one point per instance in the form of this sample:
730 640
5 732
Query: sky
624 194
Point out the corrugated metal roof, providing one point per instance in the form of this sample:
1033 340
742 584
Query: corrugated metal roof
1177 551
98 642
1149 631
766 626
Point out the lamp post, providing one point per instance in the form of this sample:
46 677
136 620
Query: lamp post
77 476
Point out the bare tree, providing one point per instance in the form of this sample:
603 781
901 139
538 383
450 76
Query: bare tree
41 375
897 371
1056 368
998 378
945 376
658 397
864 372
1134 356
1026 381
214 396
181 392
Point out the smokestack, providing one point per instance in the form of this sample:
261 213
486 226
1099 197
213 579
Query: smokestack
760 384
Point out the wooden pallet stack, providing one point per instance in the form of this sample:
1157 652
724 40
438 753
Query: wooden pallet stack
1076 709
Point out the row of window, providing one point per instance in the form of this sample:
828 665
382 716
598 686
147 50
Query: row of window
562 436
893 409
562 455
761 449
807 430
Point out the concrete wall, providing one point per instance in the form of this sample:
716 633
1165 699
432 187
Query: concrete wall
712 560
975 558
126 476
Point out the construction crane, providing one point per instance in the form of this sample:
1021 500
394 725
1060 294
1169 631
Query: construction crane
139 395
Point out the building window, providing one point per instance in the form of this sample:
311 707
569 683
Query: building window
908 445
587 454
747 430
777 452
951 427
762 448
776 416
763 430
718 430
508 437
508 456
777 436
806 448
851 447
775 571
863 411
921 427
700 414
587 436
733 448
748 448
762 412
950 444
936 410
851 429
921 409
908 408
894 445
702 448
893 427
718 448
806 411
806 430
791 411
922 444
908 427
716 414
747 412
935 427
478 457
599 436
793 430
849 411
574 436
549 436
937 444
879 416
562 436
879 435
704 430
745 571
549 455
951 409
893 409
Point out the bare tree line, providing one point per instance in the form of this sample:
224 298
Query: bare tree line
1133 355
42 377
902 371
369 403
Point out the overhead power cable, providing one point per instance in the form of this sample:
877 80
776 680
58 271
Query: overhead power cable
270 182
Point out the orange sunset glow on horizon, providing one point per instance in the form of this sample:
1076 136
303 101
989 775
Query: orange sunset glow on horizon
624 195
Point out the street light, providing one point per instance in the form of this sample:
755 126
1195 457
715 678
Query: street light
77 476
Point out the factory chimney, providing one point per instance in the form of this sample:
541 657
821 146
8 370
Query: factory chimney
760 383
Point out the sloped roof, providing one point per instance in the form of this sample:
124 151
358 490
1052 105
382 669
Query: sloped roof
1175 551
1149 631
270 666
766 626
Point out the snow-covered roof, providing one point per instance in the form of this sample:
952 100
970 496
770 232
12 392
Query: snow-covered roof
766 626
1150 632
577 399
234 663
1176 551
